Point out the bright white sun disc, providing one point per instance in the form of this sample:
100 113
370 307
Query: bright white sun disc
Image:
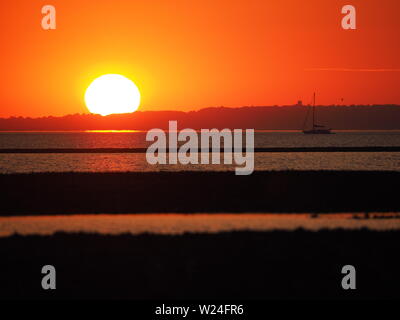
112 93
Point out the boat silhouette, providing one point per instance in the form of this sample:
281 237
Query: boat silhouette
316 128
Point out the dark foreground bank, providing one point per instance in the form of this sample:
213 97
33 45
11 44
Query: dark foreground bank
238 265
190 192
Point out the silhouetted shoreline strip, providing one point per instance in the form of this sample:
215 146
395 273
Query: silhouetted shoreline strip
356 117
257 150
199 192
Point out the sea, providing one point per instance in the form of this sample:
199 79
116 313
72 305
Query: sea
199 223
178 224
123 162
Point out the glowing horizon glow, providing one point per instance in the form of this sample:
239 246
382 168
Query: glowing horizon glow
111 94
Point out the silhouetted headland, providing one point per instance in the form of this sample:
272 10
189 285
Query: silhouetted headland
371 117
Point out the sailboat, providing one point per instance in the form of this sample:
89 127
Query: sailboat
316 128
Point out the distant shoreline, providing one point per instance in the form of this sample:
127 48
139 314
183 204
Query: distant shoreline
366 117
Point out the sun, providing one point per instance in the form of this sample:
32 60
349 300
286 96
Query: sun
112 93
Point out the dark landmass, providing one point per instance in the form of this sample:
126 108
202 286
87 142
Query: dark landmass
191 192
372 117
257 150
237 265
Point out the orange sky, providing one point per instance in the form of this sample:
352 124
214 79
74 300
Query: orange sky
188 54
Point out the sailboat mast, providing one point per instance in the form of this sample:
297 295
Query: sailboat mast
313 113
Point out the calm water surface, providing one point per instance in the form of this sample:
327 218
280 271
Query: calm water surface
25 163
195 223
138 139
